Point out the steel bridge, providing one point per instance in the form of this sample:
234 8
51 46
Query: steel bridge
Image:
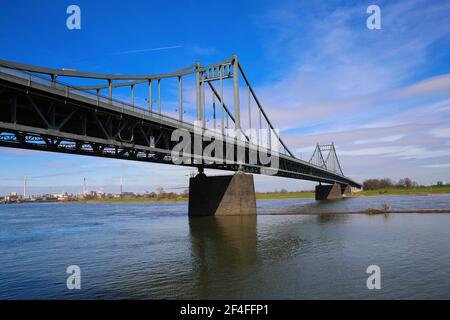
64 110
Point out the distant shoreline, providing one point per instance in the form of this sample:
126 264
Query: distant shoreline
419 191
427 191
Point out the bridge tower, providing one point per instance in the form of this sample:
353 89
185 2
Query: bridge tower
222 195
329 162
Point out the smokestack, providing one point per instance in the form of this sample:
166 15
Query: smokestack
25 186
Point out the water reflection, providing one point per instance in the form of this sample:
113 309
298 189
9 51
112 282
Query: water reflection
332 218
222 241
222 248
150 251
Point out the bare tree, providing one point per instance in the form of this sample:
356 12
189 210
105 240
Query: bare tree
375 184
408 183
371 184
160 191
386 183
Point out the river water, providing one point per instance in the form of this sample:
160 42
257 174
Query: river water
153 251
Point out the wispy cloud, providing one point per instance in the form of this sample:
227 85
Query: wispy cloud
125 52
381 96
399 151
439 165
204 51
146 50
380 140
441 132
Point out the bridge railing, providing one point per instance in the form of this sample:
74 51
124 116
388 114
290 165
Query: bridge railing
70 88
205 77
94 95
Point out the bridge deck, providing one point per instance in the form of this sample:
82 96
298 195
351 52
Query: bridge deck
42 115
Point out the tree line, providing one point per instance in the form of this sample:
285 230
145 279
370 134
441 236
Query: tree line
374 184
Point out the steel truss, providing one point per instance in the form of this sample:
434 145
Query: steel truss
38 115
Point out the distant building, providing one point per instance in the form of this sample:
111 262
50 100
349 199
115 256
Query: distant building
65 197
441 183
128 195
12 198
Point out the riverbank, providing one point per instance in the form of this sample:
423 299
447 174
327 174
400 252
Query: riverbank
422 191
425 191
259 196
369 212
404 191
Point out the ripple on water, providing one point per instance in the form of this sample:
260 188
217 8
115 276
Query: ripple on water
152 250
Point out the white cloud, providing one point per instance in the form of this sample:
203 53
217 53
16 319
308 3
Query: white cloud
441 132
380 140
440 165
401 152
363 90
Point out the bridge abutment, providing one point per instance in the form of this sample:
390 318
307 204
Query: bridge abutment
229 195
332 191
346 191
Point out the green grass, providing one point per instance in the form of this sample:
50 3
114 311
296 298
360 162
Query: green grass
402 191
292 195
390 191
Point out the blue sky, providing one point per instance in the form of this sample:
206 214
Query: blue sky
383 96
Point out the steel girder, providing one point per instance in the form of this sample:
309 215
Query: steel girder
39 120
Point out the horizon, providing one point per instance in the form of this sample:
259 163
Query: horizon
137 189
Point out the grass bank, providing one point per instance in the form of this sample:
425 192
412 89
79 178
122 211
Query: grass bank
404 191
292 195
380 192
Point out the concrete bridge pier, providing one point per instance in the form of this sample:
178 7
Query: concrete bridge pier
346 190
229 195
332 191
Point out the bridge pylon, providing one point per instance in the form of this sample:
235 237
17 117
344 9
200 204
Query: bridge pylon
226 195
334 191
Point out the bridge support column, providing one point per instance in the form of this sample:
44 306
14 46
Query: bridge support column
328 192
346 191
333 191
222 195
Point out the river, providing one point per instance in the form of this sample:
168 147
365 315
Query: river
153 251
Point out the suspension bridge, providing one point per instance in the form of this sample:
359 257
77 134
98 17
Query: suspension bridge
134 116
